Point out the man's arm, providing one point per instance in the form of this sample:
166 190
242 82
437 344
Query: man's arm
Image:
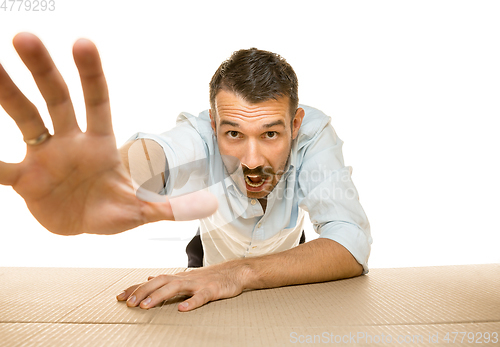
124 154
315 261
75 182
145 161
318 260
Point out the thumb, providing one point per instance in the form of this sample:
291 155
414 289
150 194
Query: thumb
196 205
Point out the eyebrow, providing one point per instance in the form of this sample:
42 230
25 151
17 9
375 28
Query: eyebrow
278 122
267 126
226 122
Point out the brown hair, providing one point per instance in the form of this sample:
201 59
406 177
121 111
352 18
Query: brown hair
256 76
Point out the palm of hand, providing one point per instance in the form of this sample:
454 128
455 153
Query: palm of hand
74 182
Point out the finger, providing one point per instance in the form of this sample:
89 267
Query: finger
9 173
49 81
22 111
126 293
161 288
197 300
196 205
95 89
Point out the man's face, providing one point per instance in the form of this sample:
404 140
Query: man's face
258 135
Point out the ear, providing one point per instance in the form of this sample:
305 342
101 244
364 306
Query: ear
297 122
212 121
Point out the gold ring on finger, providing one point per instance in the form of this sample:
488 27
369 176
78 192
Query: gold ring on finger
39 140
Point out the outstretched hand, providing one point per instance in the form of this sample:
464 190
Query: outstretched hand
74 182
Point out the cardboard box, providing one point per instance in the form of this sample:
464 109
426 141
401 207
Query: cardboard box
447 305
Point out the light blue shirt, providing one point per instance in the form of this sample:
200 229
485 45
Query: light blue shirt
316 181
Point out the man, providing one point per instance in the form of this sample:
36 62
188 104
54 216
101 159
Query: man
264 159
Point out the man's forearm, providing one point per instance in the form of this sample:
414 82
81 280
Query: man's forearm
318 260
145 161
124 154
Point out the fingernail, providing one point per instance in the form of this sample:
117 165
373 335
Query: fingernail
131 300
185 304
146 301
121 295
83 40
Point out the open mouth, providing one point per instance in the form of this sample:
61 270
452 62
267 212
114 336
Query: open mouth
254 181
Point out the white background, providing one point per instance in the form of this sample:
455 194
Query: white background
412 88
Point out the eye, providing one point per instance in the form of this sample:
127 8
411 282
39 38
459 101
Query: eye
271 134
232 134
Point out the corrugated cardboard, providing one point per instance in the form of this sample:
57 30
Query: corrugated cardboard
406 306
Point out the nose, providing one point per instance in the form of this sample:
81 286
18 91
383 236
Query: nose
252 156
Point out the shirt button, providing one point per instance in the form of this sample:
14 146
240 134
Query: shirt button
254 247
253 202
259 225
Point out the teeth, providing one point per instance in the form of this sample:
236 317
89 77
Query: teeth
254 185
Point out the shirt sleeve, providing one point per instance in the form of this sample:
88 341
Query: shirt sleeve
329 195
186 153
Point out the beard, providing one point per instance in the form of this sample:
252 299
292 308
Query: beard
264 173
